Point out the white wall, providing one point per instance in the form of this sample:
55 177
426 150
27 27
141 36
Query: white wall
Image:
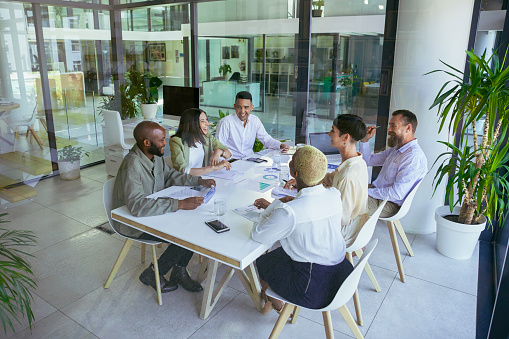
428 31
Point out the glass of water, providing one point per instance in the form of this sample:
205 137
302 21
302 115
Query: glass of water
276 160
219 207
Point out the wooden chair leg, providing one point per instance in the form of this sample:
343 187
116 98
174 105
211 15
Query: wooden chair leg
156 272
43 123
281 321
395 248
357 305
369 272
143 250
402 234
327 322
36 136
295 314
120 259
350 322
160 245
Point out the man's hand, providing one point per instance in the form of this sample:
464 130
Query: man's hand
284 148
261 203
369 133
291 184
222 164
286 199
214 159
190 203
206 182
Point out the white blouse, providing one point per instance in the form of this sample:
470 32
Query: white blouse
196 155
308 227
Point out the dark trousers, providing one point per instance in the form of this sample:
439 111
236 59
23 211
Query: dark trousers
174 255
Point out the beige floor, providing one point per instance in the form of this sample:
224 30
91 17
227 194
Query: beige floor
72 260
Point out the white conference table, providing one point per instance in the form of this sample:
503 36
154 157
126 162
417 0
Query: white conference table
234 248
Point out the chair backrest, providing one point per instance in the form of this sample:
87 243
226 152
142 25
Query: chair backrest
114 128
20 118
108 200
367 230
405 207
349 286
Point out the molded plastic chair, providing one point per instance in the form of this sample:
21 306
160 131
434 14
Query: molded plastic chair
394 222
343 295
362 240
107 197
115 130
16 119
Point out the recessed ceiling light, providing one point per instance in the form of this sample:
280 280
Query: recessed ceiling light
365 2
381 6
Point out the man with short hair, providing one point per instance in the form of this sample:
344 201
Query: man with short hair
143 172
238 131
404 163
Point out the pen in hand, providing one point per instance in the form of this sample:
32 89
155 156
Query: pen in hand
287 181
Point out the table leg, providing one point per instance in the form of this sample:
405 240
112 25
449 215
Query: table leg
211 295
251 283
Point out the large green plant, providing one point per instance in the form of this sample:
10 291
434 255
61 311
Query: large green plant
144 87
126 103
474 168
16 277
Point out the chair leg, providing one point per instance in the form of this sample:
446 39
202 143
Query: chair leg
350 322
156 272
143 250
402 234
369 272
395 248
36 136
281 321
356 300
295 314
327 322
120 259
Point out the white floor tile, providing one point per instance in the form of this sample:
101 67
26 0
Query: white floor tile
15 210
53 190
87 209
41 310
129 309
419 309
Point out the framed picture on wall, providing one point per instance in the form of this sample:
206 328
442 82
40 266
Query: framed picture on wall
157 52
226 52
235 52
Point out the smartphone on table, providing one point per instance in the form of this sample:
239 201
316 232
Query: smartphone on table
217 226
257 160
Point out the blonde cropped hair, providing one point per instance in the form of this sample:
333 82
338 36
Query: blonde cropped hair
311 165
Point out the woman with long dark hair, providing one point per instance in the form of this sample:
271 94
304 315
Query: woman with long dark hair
194 149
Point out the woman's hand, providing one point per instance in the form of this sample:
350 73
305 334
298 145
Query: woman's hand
291 184
261 203
214 159
222 164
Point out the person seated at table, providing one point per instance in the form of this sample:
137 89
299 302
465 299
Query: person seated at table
310 265
143 172
238 131
194 150
351 177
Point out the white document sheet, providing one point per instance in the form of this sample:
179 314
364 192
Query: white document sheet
249 212
224 174
283 192
256 186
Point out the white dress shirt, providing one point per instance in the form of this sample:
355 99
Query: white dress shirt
239 139
402 168
196 155
308 227
351 179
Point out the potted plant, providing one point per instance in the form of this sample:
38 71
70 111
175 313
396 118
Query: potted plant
473 167
69 162
317 8
16 274
224 70
126 103
145 85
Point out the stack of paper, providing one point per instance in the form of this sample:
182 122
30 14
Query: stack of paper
249 212
256 186
283 192
224 174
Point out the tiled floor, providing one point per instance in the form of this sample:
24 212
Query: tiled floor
73 259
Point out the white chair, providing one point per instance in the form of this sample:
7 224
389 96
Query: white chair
107 197
394 222
17 119
115 146
362 240
344 294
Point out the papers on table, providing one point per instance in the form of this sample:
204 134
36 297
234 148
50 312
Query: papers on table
333 158
269 178
331 167
224 174
267 170
283 192
187 192
264 151
254 185
132 124
249 212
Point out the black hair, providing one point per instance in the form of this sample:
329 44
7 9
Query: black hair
352 125
189 127
408 117
244 95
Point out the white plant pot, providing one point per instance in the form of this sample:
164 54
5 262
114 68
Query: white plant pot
455 240
149 111
69 170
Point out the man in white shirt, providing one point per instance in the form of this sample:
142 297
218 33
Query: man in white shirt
238 131
404 163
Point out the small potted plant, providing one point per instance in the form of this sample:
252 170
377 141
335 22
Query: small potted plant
224 70
146 86
69 162
317 8
473 169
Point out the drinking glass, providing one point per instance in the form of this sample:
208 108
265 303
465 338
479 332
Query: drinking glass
219 207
